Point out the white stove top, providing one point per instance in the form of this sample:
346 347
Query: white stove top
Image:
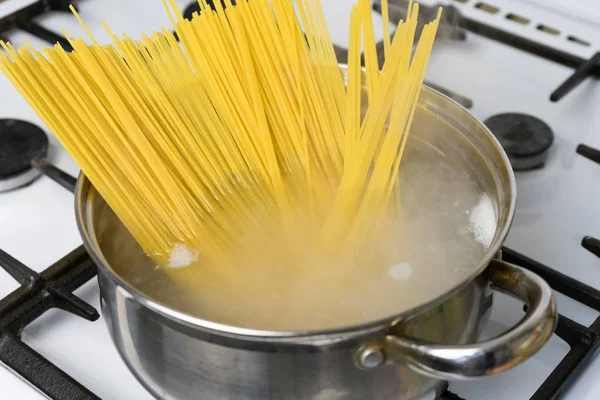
557 205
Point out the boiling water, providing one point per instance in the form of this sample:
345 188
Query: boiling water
448 223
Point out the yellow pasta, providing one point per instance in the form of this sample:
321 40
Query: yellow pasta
242 145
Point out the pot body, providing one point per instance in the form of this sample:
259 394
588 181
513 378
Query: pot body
174 361
177 355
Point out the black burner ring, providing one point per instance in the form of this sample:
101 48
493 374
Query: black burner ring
20 142
525 139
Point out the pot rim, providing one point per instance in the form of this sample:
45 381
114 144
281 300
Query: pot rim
92 247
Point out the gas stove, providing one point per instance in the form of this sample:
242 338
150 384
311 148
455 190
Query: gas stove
519 65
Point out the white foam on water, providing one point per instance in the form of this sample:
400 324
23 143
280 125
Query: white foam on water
400 272
482 220
182 256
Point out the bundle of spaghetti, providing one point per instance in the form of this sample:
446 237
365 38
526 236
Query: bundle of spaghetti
242 145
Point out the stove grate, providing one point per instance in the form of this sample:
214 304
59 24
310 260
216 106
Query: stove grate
583 341
38 293
583 68
23 19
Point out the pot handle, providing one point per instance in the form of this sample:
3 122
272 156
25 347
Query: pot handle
495 355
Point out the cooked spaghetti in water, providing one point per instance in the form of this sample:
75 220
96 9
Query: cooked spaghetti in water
241 146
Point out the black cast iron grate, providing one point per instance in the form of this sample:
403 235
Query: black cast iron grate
38 293
583 68
583 341
24 19
53 289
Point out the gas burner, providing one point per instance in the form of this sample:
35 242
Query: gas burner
526 139
20 142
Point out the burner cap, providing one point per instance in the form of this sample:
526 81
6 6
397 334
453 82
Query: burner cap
20 142
525 139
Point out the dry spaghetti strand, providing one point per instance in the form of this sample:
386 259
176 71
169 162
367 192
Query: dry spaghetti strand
244 144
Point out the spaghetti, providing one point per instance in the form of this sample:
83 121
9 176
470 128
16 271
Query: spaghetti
245 149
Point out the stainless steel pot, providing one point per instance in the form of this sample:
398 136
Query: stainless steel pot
178 356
